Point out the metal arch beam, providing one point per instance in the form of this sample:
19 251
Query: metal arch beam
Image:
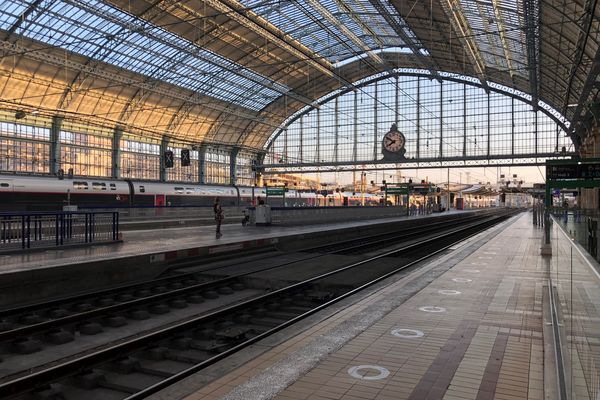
22 18
138 97
590 8
94 60
585 93
263 28
488 32
192 51
451 56
315 4
298 115
503 40
421 59
197 99
194 15
532 32
353 15
456 17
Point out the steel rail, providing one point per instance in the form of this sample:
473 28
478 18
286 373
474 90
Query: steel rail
73 366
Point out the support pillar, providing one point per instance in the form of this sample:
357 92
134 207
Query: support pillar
164 144
233 165
116 153
202 165
55 163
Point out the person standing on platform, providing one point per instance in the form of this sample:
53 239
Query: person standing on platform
219 217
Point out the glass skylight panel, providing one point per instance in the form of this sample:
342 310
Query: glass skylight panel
497 53
11 12
241 92
299 20
95 29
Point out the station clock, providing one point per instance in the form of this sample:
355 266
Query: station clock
392 145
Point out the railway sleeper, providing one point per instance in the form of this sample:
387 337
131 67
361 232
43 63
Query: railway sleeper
89 328
26 346
114 321
50 392
59 336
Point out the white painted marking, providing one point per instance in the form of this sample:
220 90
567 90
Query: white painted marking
449 292
432 309
484 258
462 280
383 372
471 271
407 333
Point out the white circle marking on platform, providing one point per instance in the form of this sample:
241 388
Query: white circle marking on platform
462 280
449 292
407 333
383 372
432 309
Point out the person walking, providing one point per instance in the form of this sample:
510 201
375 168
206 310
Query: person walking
218 216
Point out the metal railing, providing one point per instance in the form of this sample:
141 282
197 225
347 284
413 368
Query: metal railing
46 230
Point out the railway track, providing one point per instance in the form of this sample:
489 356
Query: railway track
61 318
142 364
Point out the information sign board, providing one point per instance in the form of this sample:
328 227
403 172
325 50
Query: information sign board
573 171
562 171
397 190
275 191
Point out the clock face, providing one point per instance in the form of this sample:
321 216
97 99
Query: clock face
393 141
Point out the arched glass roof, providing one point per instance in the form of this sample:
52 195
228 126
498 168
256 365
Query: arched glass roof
231 71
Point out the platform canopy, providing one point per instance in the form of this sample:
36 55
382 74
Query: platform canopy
230 72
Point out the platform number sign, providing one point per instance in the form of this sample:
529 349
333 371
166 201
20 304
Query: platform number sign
169 159
185 158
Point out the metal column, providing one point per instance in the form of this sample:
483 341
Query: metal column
55 162
116 152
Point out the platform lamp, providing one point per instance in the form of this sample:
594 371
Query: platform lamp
384 183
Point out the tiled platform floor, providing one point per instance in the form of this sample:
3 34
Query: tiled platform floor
483 340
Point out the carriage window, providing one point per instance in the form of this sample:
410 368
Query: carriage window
98 185
179 190
4 184
80 185
189 190
142 189
113 186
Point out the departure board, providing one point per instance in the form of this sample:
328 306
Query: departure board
562 171
587 171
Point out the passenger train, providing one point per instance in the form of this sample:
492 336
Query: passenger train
25 193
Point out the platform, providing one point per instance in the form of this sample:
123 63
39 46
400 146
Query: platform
145 254
468 325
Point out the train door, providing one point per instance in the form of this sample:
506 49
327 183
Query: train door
159 201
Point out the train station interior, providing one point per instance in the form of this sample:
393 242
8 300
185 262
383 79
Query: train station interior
299 200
